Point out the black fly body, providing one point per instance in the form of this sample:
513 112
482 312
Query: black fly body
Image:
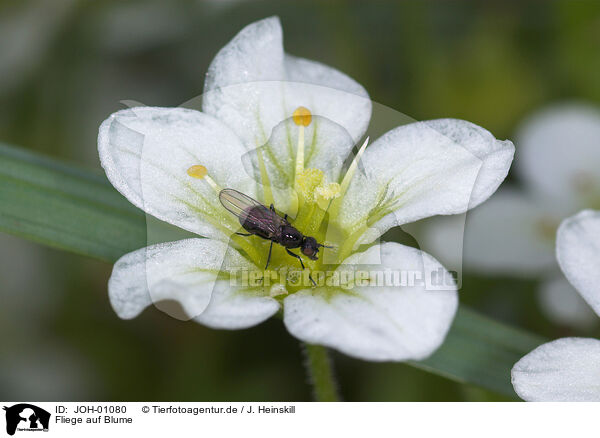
264 222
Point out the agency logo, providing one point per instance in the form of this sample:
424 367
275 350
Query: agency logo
26 417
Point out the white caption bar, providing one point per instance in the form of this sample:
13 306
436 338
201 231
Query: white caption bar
308 420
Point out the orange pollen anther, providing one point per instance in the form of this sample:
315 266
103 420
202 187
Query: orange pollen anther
197 171
302 116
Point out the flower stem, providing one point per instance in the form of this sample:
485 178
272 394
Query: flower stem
320 373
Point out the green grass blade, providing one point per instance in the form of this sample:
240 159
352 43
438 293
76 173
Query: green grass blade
65 207
79 211
481 351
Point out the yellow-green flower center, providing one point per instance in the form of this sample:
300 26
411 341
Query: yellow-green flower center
318 202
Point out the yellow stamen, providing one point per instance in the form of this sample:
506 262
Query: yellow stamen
300 152
324 194
335 204
350 173
302 116
198 171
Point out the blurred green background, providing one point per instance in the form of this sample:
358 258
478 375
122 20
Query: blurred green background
65 65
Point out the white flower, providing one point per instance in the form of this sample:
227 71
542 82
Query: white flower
278 128
567 369
513 233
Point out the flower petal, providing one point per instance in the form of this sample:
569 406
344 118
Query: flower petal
561 370
231 310
252 85
328 93
558 154
146 153
578 254
563 305
190 272
424 169
383 322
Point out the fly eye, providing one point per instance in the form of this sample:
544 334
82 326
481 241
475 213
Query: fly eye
310 252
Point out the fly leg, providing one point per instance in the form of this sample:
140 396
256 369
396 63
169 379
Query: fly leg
301 264
244 234
297 256
269 257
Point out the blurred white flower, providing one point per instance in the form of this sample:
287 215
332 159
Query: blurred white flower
279 128
558 151
567 369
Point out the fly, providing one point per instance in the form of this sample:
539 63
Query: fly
264 222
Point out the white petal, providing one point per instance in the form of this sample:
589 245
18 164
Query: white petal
510 234
229 309
578 254
328 93
147 151
561 370
186 271
561 303
559 149
424 169
252 85
378 323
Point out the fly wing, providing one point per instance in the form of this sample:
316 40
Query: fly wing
253 215
237 203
